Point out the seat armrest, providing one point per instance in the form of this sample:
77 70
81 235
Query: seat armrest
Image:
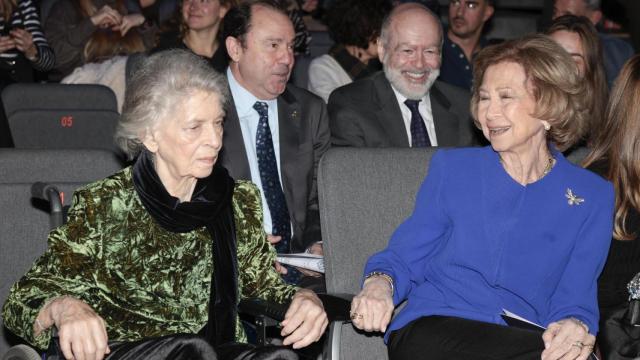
268 313
259 307
337 306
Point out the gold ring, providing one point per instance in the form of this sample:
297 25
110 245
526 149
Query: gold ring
578 344
354 315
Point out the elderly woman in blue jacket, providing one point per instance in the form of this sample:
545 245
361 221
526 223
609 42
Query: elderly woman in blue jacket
513 226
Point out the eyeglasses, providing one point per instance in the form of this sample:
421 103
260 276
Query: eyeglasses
471 5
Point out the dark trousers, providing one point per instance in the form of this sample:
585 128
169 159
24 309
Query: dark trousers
187 347
445 337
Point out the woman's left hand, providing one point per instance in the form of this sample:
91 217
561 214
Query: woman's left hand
128 22
567 339
305 320
24 43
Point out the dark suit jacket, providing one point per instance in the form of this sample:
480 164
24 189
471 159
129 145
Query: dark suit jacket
304 138
366 113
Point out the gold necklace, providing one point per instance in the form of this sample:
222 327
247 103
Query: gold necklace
547 169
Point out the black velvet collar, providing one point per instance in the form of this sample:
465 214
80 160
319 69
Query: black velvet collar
210 206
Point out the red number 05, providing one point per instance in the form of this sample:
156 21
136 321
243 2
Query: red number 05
66 121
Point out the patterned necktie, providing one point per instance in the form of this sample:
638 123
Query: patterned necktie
271 180
419 135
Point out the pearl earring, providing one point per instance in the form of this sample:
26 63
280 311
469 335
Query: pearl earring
546 125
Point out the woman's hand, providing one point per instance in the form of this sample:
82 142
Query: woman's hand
305 320
6 43
128 22
24 42
82 333
106 17
372 308
567 339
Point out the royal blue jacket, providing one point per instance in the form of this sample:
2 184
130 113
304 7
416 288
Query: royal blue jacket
479 242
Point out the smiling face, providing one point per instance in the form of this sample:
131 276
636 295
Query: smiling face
467 17
263 64
571 43
411 54
186 144
202 14
505 107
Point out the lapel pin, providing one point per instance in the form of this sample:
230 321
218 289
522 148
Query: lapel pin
294 114
573 199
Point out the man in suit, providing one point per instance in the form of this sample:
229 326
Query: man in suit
464 39
274 133
404 105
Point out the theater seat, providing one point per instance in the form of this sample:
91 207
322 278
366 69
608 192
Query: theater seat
61 116
364 194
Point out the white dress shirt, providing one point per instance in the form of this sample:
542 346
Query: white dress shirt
424 107
249 119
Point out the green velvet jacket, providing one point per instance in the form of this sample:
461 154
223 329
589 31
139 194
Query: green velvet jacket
142 280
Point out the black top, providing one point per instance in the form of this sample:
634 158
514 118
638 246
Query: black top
623 261
172 40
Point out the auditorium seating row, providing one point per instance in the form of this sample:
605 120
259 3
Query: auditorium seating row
364 194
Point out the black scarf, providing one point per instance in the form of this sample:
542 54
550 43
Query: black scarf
210 206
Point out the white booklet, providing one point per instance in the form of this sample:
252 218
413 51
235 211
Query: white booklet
303 260
518 321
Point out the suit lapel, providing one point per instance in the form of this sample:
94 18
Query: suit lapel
289 114
234 154
444 122
390 116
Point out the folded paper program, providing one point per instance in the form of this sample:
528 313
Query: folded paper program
303 260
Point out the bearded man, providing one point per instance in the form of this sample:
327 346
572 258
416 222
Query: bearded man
403 105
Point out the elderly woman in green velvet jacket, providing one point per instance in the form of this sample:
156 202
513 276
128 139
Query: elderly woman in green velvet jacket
154 258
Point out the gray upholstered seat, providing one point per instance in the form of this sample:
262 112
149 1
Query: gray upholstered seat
364 195
56 165
61 116
26 221
23 237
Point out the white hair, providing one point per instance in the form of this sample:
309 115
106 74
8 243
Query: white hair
164 81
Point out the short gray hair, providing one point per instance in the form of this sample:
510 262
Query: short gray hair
385 30
164 81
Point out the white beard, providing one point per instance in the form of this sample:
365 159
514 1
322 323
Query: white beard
410 91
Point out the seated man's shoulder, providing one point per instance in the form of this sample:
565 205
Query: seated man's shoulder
452 92
295 93
360 90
